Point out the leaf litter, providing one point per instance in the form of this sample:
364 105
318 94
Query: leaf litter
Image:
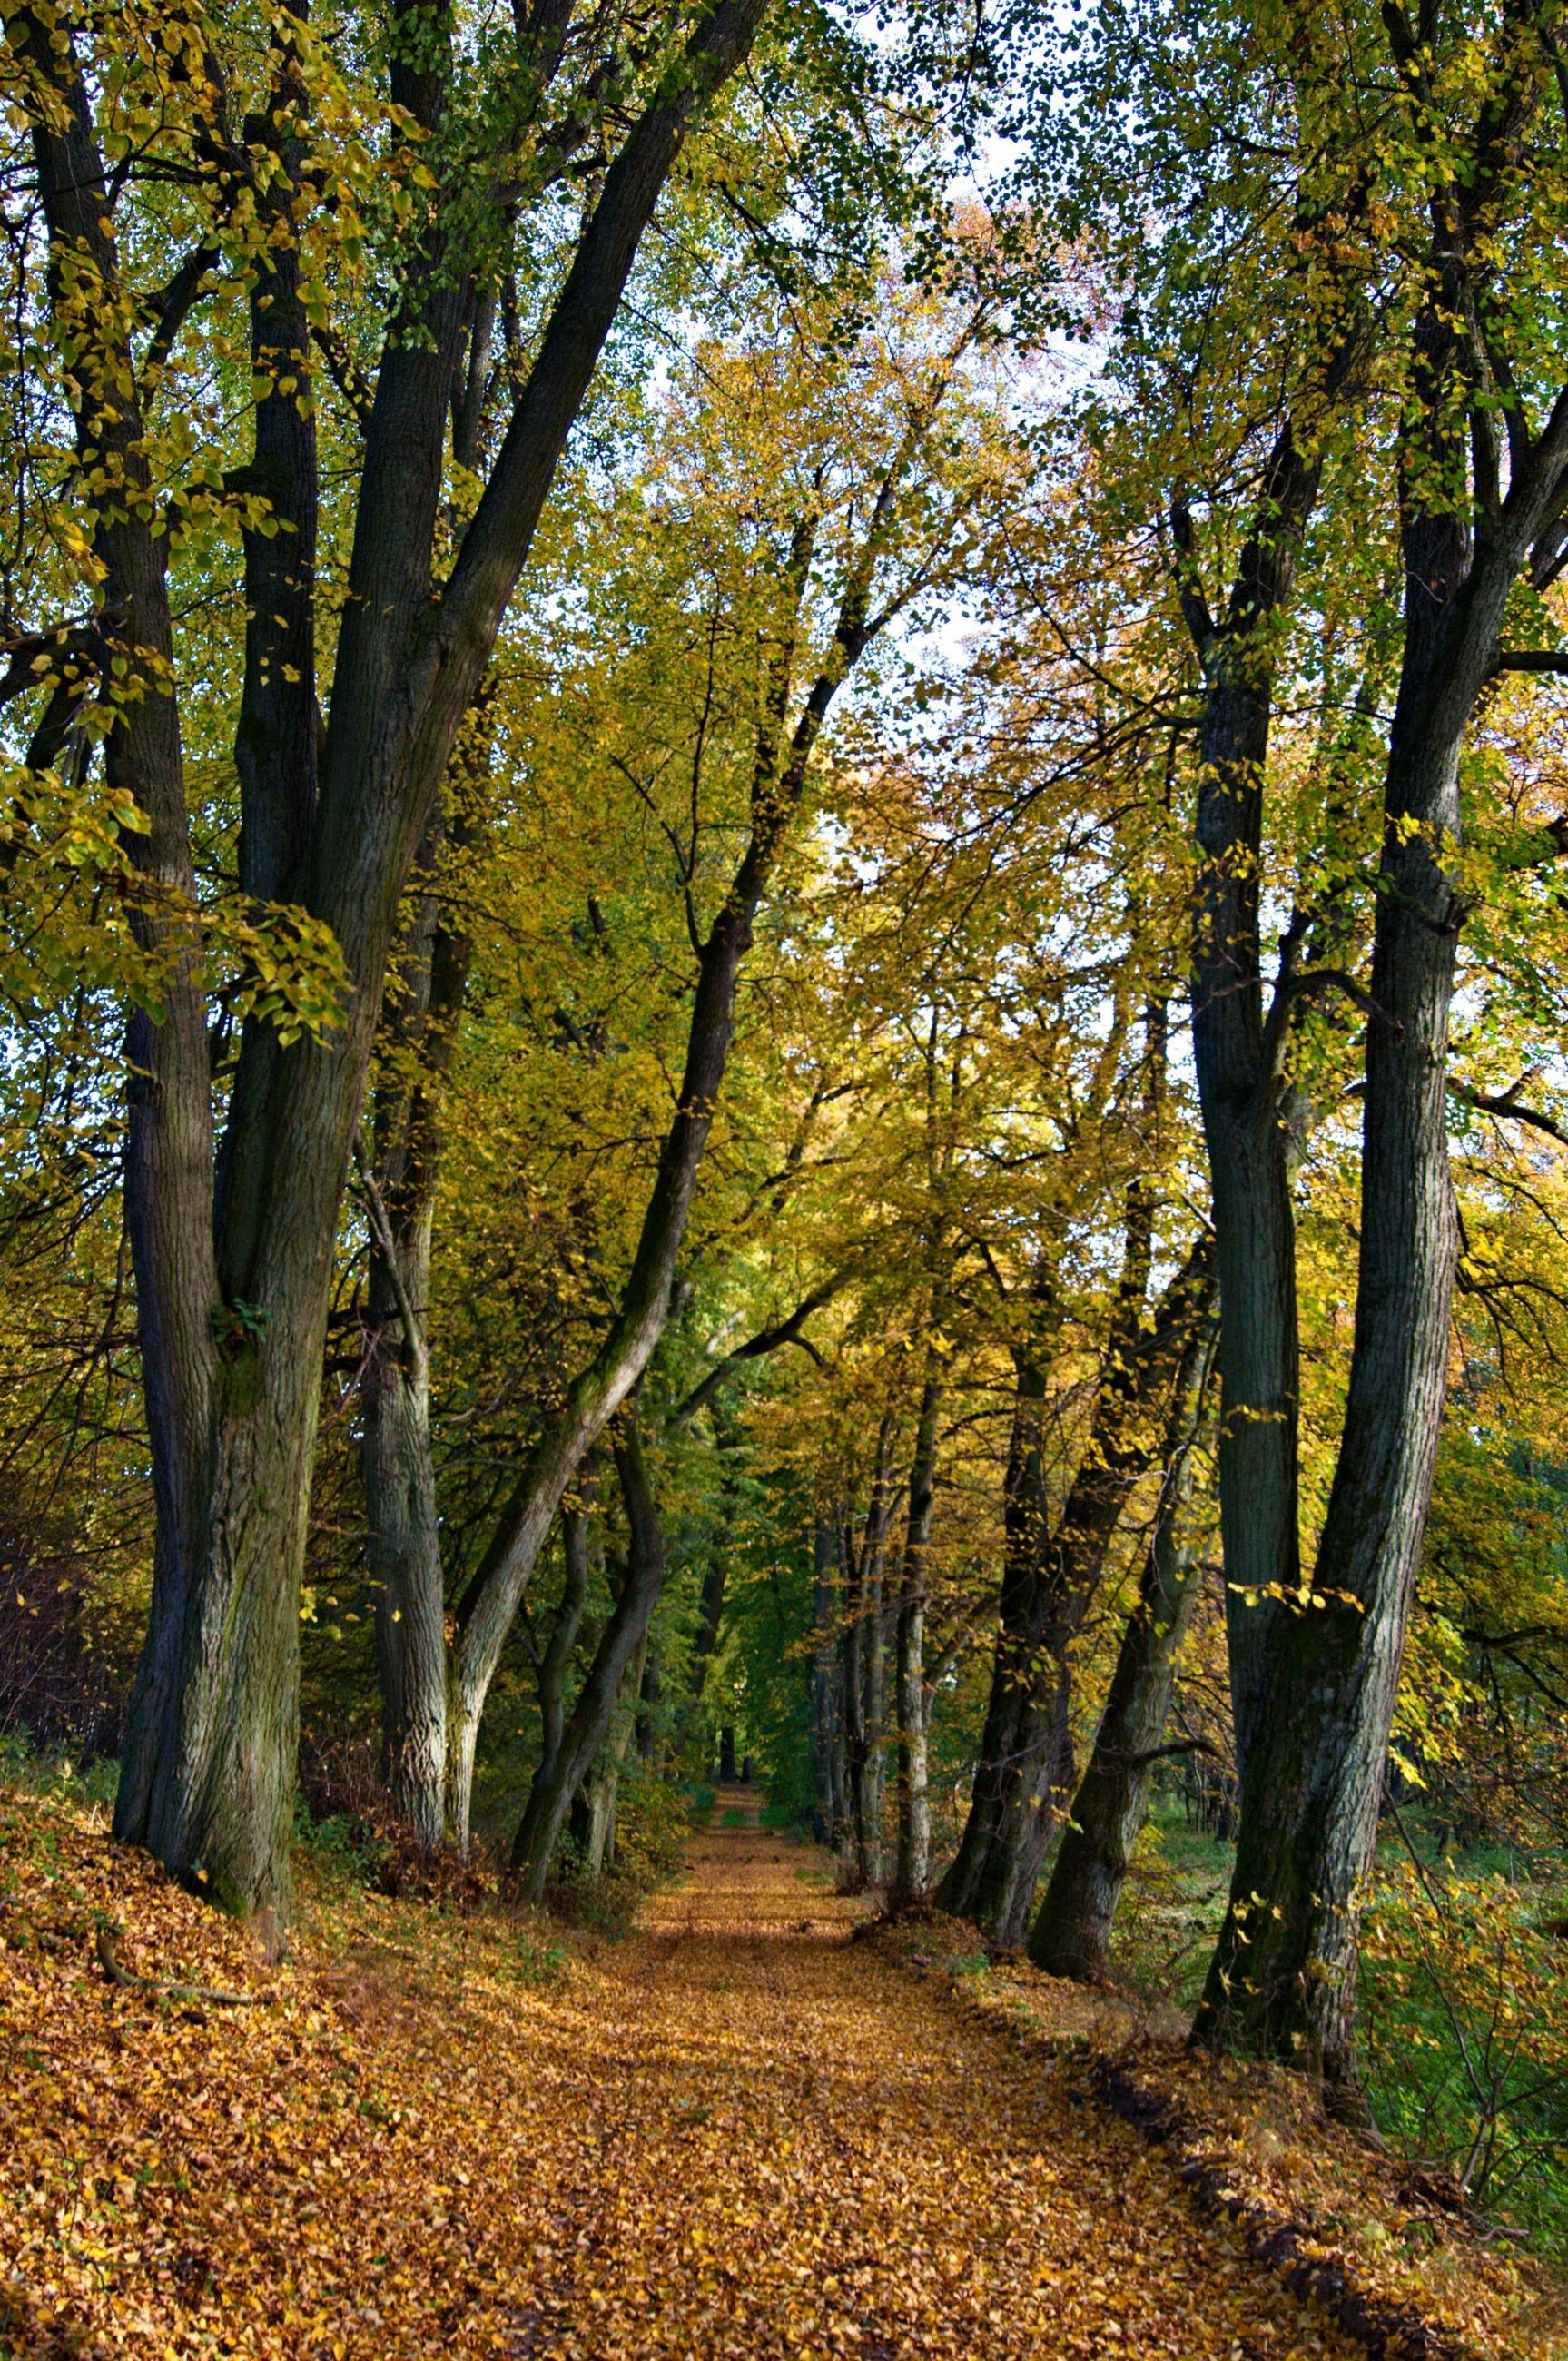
733 2133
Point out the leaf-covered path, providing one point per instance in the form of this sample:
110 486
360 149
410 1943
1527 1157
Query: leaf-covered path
733 2135
788 2145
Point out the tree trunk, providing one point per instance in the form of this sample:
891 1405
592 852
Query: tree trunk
404 1555
650 1707
1072 1935
874 1665
594 1808
1240 1084
1024 1773
864 1658
555 1663
912 1866
397 1457
556 1782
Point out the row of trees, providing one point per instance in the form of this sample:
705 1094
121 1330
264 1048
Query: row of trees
819 888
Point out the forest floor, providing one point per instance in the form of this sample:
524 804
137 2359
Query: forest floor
735 2133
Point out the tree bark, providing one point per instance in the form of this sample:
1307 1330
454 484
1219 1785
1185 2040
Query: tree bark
1072 1934
595 1807
1241 1082
397 1457
555 1663
864 1674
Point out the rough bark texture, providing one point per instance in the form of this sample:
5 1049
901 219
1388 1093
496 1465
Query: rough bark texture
592 1819
1241 1085
1072 1932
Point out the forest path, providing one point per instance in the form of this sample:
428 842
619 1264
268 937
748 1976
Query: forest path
804 2149
732 2136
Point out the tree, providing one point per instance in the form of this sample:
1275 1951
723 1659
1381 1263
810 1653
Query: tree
232 1237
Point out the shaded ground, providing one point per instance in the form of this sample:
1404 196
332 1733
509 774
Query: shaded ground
732 2135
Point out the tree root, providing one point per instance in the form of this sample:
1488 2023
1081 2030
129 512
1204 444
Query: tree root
119 1973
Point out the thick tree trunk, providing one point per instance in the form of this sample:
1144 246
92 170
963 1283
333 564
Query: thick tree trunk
1241 1087
556 1782
912 1862
1072 1932
1283 1977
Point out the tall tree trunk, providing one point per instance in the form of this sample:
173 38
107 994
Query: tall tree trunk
912 1863
1024 1773
396 1456
874 1664
1283 1977
556 1661
404 1555
556 1782
649 1706
1240 1084
850 1689
1072 1932
864 1658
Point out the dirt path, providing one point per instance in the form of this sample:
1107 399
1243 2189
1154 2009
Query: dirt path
804 2150
730 2137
